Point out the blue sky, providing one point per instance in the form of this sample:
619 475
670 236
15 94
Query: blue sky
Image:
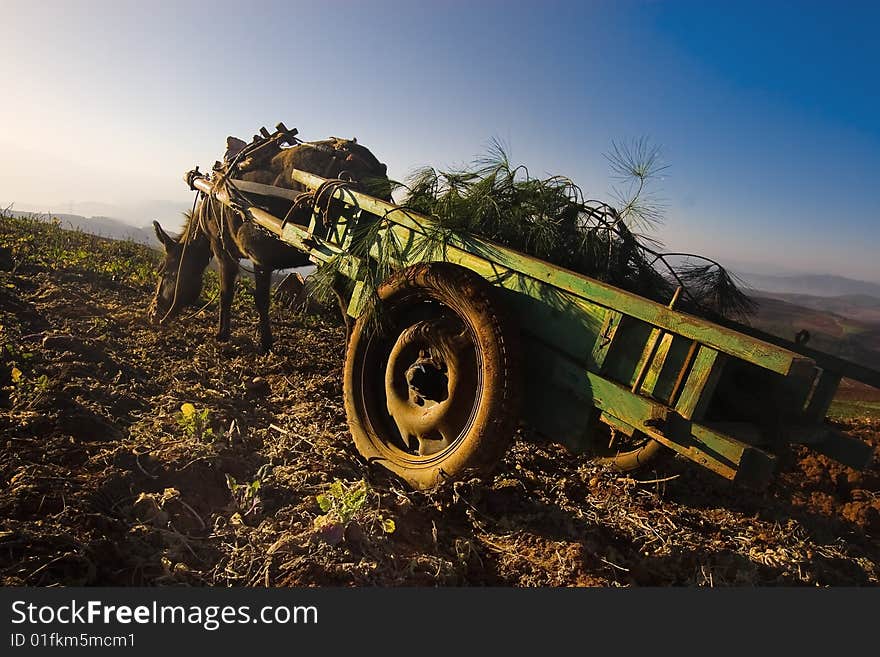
768 114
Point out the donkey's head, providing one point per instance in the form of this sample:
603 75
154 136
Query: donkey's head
180 274
358 160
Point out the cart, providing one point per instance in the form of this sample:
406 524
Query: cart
483 338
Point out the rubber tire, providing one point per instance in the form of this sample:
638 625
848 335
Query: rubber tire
495 420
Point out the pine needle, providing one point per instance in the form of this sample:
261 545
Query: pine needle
549 219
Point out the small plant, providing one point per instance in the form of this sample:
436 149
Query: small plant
195 423
246 495
27 391
346 504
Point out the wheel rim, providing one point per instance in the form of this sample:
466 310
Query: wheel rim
421 382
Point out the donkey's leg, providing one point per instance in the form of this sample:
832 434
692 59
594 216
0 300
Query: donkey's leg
228 274
263 280
340 289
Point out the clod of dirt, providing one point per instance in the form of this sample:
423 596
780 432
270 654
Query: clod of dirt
258 386
85 425
148 510
90 351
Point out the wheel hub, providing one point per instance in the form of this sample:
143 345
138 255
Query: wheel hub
430 384
427 380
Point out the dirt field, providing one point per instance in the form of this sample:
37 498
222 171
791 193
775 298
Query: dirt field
104 479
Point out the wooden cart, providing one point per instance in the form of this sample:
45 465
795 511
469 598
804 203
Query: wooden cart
484 337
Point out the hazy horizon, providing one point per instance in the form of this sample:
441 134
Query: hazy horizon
771 147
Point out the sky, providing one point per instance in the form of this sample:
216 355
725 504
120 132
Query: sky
767 114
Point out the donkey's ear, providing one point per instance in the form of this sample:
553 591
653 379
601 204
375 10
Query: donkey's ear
165 238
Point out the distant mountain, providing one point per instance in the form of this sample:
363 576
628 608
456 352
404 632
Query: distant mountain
820 285
860 307
136 213
102 226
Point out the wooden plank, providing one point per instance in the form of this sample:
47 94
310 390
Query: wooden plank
249 187
845 449
554 408
646 359
605 339
659 360
823 395
358 300
723 339
793 394
572 322
683 371
675 368
718 452
617 423
700 385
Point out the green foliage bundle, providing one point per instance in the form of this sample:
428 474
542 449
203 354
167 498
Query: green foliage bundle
550 218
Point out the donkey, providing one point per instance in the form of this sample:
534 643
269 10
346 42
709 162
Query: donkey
214 230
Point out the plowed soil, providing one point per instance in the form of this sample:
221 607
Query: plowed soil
105 481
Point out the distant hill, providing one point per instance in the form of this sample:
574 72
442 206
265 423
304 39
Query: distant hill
856 338
820 285
860 307
100 226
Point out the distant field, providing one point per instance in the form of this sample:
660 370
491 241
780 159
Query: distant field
848 409
845 327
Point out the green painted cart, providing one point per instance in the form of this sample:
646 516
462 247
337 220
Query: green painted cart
485 338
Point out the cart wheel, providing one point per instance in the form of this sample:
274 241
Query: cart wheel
627 454
436 390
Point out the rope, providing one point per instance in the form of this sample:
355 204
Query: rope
325 194
301 201
207 303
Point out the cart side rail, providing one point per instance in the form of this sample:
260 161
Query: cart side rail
758 352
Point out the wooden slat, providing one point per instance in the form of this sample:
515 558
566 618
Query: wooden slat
700 385
850 451
659 360
605 339
675 368
249 187
823 395
646 359
723 339
617 423
358 300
